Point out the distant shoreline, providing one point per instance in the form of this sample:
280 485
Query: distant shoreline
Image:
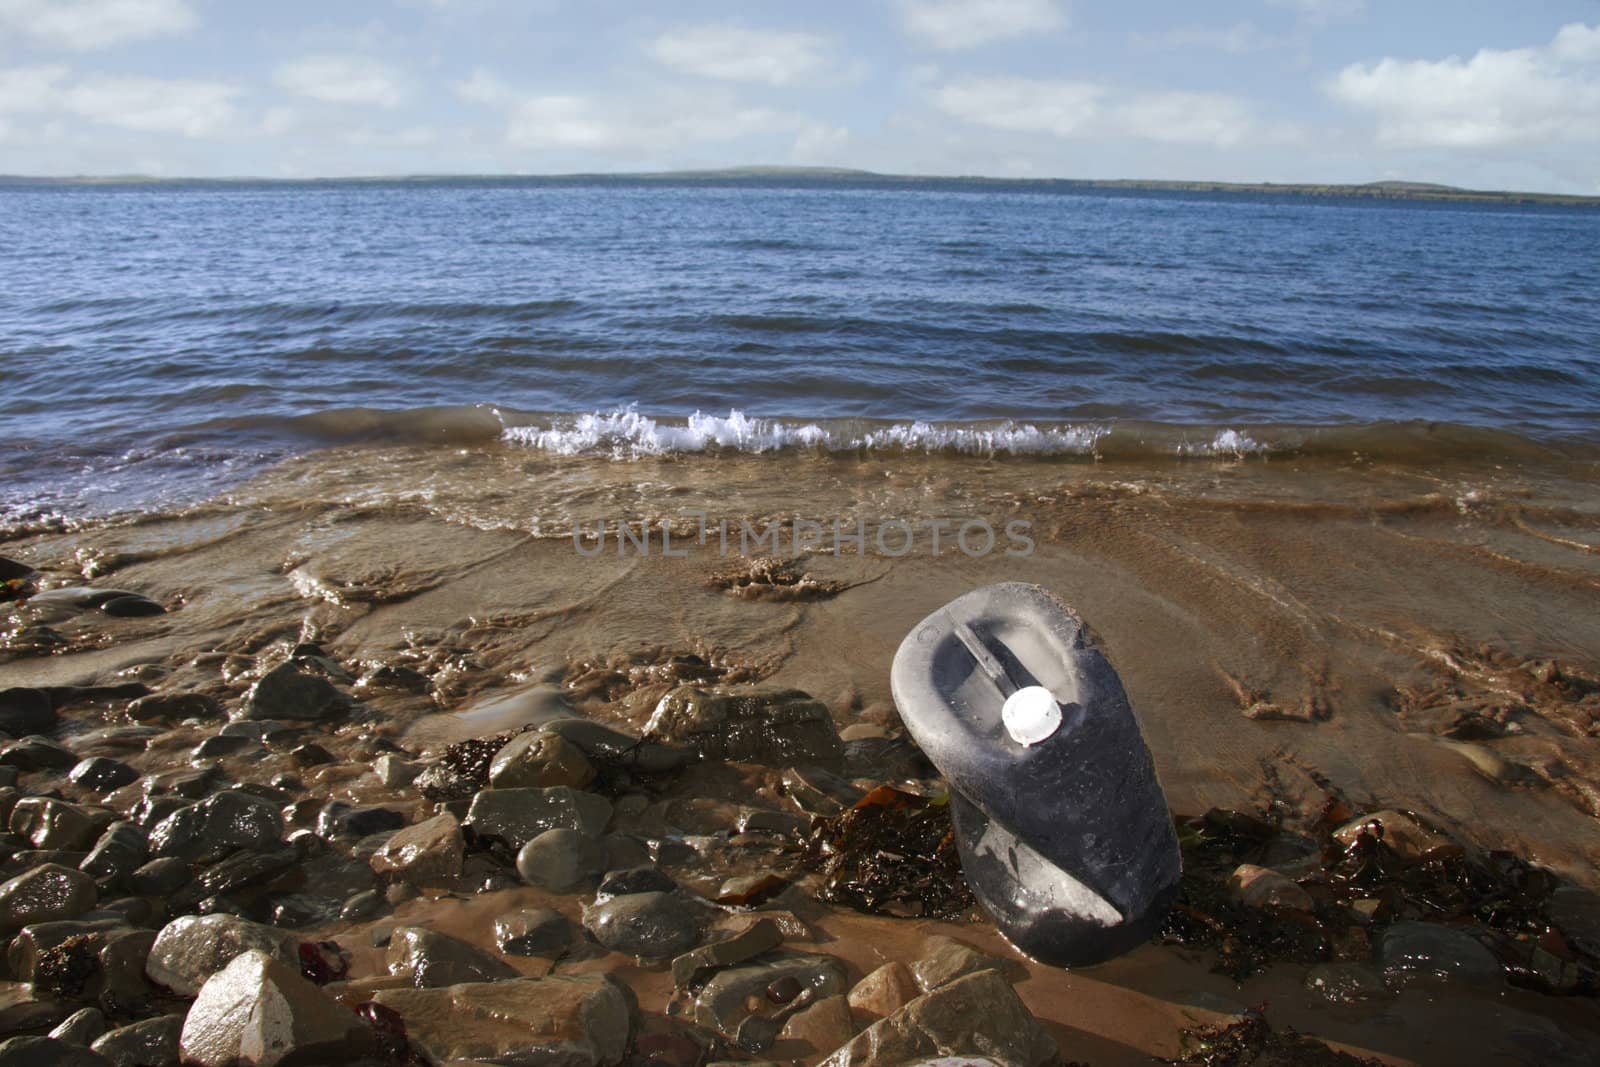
1380 190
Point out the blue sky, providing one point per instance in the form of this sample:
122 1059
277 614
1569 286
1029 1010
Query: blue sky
1482 94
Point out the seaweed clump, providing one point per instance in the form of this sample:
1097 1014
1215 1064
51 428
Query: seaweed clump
1251 1042
892 853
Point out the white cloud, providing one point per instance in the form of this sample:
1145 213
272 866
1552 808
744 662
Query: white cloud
341 80
1241 38
1071 109
734 54
953 24
30 88
1321 12
83 25
819 143
1185 118
483 88
1058 107
192 108
662 123
1498 97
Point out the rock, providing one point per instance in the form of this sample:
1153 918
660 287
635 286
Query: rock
216 827
33 954
362 906
120 850
431 959
760 936
640 879
285 693
219 747
47 1052
747 1002
294 910
390 676
753 725
825 1025
579 1021
1401 832
342 820
81 1027
561 860
976 1015
26 711
1345 983
651 926
395 772
36 753
174 706
261 1012
1267 890
102 774
517 816
533 932
884 991
240 870
191 949
782 823
132 607
47 823
46 893
160 878
602 744
1415 951
818 792
946 959
429 853
123 987
151 1043
1577 912
540 760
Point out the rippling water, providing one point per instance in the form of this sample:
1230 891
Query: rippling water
160 340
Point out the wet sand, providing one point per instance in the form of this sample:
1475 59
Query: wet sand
1285 628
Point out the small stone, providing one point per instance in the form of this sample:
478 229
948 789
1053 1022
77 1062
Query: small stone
44 894
395 772
403 679
517 816
946 959
533 932
561 860
1266 890
1416 952
102 774
1402 833
26 711
174 706
651 926
294 910
362 906
220 747
431 959
818 792
825 1025
47 1052
342 820
429 853
1345 983
884 991
736 995
760 936
400 892
782 823
216 827
747 725
285 693
640 879
36 753
537 759
118 852
160 878
47 823
578 1021
260 1011
602 744
81 1027
312 754
132 607
1576 912
191 949
978 1015
142 1044
239 871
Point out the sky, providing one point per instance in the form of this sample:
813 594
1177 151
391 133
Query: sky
1478 93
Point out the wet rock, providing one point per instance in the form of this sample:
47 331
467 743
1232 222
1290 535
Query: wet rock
977 1015
36 753
122 988
540 760
44 894
395 772
342 820
1398 830
825 1025
760 936
399 678
294 910
884 991
260 1012
818 792
216 827
754 725
945 959
533 932
640 879
239 871
429 853
191 949
47 1052
517 816
312 754
431 959
160 878
561 860
580 1021
132 607
24 1009
33 953
171 707
604 745
782 823
1345 983
26 711
219 747
651 926
362 906
47 823
150 1043
1268 890
442 782
750 890
750 999
81 1027
1414 951
1577 912
102 774
287 694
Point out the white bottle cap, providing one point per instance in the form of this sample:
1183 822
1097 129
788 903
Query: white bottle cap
1031 715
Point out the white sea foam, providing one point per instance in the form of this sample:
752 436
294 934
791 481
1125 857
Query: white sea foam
1225 443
